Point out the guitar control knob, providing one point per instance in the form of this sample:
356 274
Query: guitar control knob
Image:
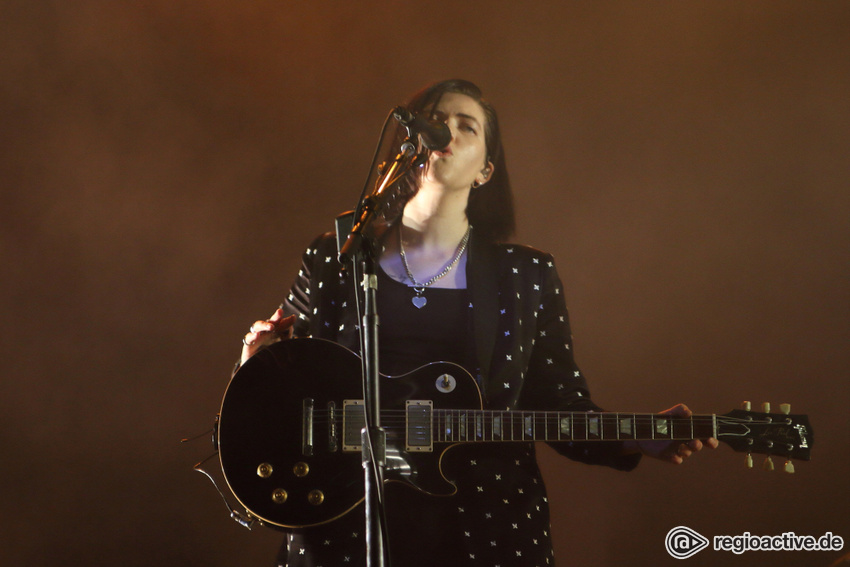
316 497
301 469
279 496
264 470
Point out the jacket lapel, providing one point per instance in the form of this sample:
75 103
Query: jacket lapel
482 275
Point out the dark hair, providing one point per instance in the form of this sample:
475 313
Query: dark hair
490 208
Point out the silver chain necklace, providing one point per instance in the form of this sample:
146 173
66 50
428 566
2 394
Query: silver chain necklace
420 300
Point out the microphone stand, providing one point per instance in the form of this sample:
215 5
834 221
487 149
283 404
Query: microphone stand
363 249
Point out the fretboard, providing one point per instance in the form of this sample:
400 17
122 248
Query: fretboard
485 425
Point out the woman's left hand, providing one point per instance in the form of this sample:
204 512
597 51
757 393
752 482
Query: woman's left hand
670 451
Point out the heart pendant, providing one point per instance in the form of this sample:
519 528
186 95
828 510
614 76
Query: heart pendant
419 301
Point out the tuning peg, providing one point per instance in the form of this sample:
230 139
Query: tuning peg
749 461
746 406
785 408
789 467
765 407
768 464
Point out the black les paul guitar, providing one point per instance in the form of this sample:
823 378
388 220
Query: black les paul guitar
289 430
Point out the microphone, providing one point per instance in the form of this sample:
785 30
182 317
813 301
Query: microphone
435 134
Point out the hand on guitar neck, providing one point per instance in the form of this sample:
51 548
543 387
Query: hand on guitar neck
264 333
674 452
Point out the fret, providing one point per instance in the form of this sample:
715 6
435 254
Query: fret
593 426
662 428
579 426
565 428
551 426
626 427
461 418
517 426
682 428
644 427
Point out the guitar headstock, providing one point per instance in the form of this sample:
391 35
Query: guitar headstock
782 434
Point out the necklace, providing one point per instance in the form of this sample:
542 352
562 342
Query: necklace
420 300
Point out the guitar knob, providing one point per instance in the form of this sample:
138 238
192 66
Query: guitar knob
279 496
768 464
765 407
749 461
789 467
746 406
316 497
446 383
785 408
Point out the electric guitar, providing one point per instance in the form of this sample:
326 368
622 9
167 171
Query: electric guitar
289 436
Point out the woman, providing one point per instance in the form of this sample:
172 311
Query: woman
449 291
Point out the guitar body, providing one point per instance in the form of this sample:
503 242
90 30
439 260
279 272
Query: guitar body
285 455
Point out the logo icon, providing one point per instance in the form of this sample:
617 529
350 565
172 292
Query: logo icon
683 542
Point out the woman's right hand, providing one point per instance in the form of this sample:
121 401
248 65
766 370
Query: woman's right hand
267 332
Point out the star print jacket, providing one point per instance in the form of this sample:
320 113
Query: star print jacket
523 344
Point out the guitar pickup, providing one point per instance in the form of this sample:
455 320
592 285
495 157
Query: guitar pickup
307 426
418 426
353 422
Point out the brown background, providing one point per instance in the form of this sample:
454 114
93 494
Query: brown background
164 163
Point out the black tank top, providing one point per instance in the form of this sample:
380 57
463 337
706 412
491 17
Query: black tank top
410 337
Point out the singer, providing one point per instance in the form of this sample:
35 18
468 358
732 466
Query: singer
451 289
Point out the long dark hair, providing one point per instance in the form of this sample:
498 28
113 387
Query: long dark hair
490 208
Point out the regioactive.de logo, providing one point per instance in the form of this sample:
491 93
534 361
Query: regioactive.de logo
683 542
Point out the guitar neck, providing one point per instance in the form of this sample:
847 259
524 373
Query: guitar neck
484 426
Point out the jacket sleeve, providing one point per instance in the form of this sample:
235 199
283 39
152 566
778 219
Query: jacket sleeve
554 380
303 298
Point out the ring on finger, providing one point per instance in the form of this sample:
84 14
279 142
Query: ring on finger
246 343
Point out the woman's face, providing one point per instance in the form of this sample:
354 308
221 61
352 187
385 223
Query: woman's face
464 160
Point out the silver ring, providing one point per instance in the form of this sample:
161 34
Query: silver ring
251 329
246 343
